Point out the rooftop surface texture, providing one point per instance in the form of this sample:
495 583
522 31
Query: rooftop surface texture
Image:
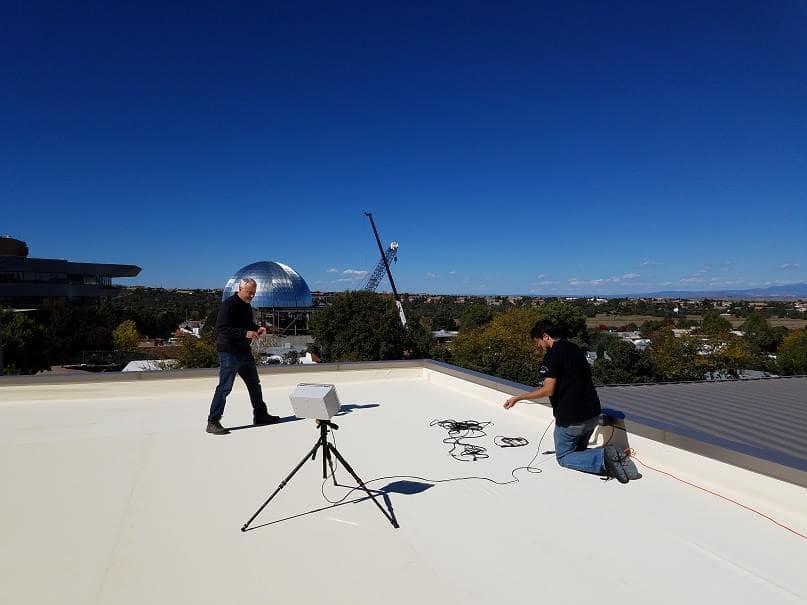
113 493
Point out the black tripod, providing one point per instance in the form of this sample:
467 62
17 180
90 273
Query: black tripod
327 449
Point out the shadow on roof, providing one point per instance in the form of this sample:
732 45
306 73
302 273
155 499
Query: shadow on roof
256 426
350 407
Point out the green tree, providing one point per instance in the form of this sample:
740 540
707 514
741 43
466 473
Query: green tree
620 362
365 326
475 315
675 359
651 326
759 334
24 342
502 348
126 337
196 352
727 356
443 320
568 318
714 323
792 357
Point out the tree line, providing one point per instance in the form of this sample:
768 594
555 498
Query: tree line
60 334
364 326
357 326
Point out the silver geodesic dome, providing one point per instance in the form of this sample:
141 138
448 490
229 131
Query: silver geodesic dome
279 286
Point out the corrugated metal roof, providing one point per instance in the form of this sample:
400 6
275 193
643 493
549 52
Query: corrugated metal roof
762 418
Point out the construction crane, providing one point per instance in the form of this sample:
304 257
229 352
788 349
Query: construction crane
391 254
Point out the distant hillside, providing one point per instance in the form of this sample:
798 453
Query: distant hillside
789 291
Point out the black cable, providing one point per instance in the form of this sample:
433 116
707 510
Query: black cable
529 468
502 441
464 429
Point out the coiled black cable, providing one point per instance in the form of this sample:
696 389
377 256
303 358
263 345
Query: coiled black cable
473 425
463 429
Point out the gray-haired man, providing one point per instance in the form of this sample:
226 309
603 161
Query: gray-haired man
235 330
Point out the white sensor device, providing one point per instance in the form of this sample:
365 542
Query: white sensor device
318 401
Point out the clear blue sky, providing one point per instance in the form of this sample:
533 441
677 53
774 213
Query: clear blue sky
510 147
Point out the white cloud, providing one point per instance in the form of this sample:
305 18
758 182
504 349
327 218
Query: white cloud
601 281
332 270
691 280
431 275
649 263
787 266
356 273
452 272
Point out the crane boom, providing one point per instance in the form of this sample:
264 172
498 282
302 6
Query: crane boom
390 254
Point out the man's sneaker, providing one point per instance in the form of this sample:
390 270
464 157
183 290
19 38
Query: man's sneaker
630 468
266 419
216 429
613 463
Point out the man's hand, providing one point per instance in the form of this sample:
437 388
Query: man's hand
511 402
251 334
261 331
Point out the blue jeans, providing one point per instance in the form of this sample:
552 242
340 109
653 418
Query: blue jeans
571 444
242 364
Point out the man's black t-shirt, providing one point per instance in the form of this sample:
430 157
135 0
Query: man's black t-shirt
233 322
575 399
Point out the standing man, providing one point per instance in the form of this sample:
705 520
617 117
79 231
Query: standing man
566 378
235 330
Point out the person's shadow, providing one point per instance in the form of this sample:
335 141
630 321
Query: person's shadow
283 420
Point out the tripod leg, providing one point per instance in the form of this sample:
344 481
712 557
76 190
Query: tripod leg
283 483
327 459
350 470
333 470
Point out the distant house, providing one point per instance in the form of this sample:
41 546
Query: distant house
444 335
635 338
193 327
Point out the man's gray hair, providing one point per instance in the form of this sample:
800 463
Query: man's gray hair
246 281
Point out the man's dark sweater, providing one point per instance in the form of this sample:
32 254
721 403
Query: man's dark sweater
232 324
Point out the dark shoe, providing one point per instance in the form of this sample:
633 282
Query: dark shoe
630 468
215 428
266 419
613 464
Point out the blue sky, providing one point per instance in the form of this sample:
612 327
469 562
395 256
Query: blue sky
521 147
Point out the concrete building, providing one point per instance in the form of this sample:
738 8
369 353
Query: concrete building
40 282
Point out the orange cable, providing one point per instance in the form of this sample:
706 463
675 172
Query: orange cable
631 454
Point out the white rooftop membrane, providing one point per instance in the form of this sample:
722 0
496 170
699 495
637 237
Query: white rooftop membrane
113 493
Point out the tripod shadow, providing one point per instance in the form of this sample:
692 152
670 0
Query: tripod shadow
350 407
283 420
406 487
